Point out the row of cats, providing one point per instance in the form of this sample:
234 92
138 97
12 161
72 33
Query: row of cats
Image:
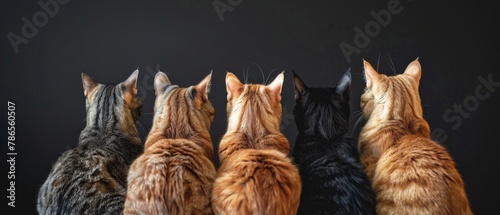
392 168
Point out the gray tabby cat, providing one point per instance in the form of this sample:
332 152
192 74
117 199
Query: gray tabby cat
92 177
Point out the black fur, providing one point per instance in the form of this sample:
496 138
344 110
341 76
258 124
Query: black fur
333 179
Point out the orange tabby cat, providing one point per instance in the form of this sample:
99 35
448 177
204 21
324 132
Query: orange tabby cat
410 173
256 175
175 173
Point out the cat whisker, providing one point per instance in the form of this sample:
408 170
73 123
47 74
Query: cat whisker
261 71
244 76
330 84
275 69
362 74
357 115
158 67
392 66
358 121
267 79
378 60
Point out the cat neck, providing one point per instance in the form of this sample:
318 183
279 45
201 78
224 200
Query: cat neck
307 145
398 126
160 131
381 133
249 129
112 124
232 142
92 134
252 124
317 135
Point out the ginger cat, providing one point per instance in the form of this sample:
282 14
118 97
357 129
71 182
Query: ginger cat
256 175
409 172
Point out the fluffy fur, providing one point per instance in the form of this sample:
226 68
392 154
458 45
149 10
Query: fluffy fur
175 173
256 175
333 179
410 173
91 178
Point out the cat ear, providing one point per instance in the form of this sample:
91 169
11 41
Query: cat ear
129 86
371 75
203 88
276 86
233 86
414 70
88 84
344 85
300 87
161 82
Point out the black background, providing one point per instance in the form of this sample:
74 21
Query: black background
187 39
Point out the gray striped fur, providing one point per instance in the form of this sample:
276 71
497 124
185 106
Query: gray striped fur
91 178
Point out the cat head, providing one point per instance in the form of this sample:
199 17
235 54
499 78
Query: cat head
107 103
322 112
183 109
392 97
254 105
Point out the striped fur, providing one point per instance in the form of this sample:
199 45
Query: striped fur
91 178
175 173
256 175
410 173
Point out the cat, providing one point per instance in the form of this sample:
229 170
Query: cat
91 177
333 179
256 174
175 173
410 173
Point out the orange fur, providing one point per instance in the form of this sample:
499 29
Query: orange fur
256 175
175 173
410 173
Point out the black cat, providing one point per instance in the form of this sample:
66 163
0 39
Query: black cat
333 179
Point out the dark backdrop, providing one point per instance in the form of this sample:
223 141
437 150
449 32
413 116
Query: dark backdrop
187 39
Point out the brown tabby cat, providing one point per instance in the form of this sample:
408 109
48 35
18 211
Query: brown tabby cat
175 173
410 173
91 178
256 175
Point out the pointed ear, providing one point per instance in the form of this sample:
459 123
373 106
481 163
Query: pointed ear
300 87
233 86
203 88
414 70
161 83
88 84
276 86
344 85
371 76
129 86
